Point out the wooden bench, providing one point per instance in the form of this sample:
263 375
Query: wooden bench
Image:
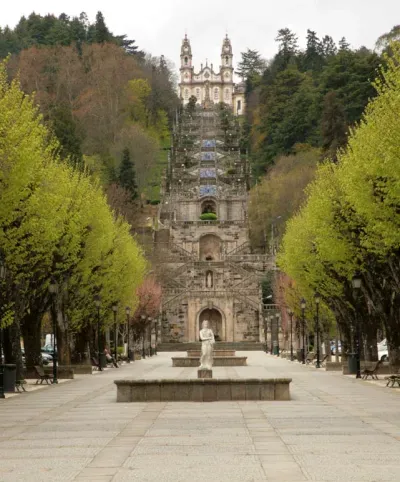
95 363
322 362
19 385
392 379
371 373
42 377
310 357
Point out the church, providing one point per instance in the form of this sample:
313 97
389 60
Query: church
210 87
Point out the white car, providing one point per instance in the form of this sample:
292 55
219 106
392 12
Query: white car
383 350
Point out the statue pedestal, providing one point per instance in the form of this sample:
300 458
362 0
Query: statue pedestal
204 373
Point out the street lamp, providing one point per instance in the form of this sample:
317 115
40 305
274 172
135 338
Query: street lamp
97 303
115 309
143 318
266 333
3 273
303 319
128 312
290 313
53 289
356 282
270 328
317 300
156 335
277 333
149 319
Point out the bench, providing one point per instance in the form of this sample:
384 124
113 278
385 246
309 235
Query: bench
322 362
371 373
310 357
42 377
19 385
392 379
95 363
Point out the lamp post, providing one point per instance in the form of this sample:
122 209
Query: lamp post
115 309
53 288
143 337
356 282
149 330
3 272
97 302
128 311
317 300
266 333
269 318
290 313
303 319
277 333
156 335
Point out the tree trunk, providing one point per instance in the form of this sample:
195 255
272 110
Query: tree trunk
12 347
30 329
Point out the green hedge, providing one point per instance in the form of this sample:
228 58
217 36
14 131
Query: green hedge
208 217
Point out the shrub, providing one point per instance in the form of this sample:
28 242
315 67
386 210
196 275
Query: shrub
208 217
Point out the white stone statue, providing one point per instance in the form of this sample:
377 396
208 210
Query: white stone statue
207 342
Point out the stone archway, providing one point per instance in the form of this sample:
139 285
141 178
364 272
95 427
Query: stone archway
215 322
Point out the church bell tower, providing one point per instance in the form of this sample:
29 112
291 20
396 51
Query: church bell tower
186 69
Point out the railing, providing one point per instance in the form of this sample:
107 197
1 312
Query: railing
239 248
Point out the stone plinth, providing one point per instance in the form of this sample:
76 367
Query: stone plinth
203 389
222 361
204 373
217 353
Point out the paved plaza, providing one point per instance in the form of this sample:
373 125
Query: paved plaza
334 429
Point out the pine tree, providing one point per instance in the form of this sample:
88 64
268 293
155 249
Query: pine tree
251 65
313 58
127 174
102 34
344 46
328 46
333 125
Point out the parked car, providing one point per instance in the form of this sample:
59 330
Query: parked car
48 349
383 352
46 357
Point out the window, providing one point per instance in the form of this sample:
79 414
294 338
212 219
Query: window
186 94
216 94
239 105
226 60
186 60
198 94
226 94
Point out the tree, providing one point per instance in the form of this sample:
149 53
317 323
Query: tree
287 47
333 125
101 32
313 59
328 47
344 46
251 65
384 41
127 175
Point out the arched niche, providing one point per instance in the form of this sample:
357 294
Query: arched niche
208 206
215 322
210 248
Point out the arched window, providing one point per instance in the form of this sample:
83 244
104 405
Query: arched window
226 60
239 105
226 94
198 94
186 60
186 94
216 93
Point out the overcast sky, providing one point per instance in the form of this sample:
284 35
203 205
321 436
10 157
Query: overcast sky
158 26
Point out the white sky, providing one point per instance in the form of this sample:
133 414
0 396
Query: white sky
158 26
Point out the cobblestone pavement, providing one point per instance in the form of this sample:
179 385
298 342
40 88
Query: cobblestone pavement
334 429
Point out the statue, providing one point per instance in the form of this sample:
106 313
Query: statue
207 342
209 280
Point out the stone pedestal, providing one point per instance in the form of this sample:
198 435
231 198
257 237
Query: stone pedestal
204 373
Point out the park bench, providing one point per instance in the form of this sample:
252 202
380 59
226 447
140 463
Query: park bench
19 385
310 357
42 376
371 373
95 363
392 379
323 361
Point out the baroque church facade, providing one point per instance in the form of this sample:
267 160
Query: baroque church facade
210 87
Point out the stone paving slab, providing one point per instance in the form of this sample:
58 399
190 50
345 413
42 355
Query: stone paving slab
335 428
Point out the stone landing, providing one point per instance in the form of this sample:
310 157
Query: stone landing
203 390
222 361
216 353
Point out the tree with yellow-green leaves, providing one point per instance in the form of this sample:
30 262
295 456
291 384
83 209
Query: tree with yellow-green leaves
55 226
350 224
